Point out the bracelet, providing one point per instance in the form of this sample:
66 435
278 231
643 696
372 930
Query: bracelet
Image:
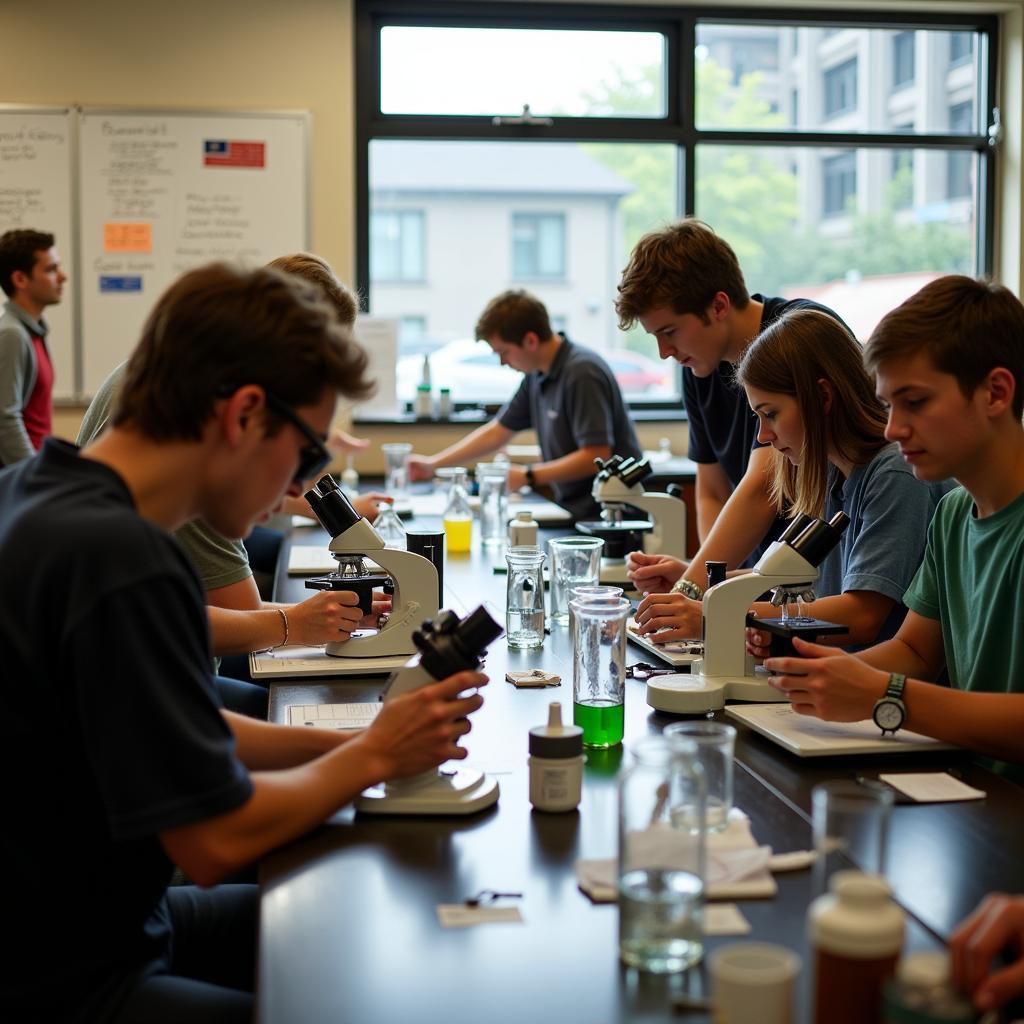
284 619
530 479
688 589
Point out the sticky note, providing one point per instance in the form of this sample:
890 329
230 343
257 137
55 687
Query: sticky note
123 237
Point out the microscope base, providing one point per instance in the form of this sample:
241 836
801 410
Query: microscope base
365 644
697 694
456 792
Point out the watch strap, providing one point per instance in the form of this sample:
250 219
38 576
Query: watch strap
530 478
897 680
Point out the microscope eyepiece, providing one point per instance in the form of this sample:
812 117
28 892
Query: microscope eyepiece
331 507
818 539
448 645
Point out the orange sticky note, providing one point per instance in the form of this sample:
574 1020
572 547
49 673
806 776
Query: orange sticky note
118 237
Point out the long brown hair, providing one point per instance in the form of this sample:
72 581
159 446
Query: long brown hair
790 357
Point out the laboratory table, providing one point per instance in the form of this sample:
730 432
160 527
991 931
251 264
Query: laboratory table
349 931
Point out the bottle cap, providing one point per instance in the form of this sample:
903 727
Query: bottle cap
554 739
925 969
423 387
858 918
524 517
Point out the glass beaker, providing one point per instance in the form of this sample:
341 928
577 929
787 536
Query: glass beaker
493 480
458 517
396 468
715 743
661 867
389 527
599 670
575 562
851 824
524 605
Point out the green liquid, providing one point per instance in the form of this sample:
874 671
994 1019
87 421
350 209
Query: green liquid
601 721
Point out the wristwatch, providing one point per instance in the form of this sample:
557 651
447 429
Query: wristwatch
890 712
530 480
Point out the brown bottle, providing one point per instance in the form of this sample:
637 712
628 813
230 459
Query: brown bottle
856 933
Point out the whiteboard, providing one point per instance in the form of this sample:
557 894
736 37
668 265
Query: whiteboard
36 158
164 191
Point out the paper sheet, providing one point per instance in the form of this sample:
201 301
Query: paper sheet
931 787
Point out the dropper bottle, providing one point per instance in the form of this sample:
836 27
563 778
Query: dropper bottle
556 763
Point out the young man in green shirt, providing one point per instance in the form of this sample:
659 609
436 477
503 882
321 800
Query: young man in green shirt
949 363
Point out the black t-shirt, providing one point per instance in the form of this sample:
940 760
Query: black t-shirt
112 732
722 427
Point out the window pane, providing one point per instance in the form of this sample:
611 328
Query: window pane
845 79
486 71
557 218
895 231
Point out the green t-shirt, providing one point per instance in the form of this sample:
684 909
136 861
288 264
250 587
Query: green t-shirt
218 561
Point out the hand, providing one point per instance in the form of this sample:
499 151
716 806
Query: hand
654 574
827 683
516 478
420 467
381 605
669 617
327 616
342 441
366 504
758 642
422 729
996 925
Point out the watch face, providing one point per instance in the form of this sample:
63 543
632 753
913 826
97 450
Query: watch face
888 715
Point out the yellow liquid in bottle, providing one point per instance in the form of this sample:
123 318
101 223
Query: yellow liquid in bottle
458 533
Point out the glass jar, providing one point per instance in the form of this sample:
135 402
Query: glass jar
599 669
524 605
661 866
493 481
458 517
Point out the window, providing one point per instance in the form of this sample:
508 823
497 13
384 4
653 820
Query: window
782 135
960 164
398 245
902 59
961 47
839 175
538 245
841 89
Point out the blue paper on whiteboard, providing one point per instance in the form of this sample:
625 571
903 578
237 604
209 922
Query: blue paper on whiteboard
109 283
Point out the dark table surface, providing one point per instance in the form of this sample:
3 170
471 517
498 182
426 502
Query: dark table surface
349 929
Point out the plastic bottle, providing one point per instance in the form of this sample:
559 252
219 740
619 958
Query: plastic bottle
423 406
458 516
444 404
556 763
856 933
349 476
522 531
922 993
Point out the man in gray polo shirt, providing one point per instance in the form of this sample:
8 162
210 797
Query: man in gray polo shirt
569 397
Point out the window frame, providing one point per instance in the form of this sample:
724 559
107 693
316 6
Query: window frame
832 74
677 126
563 238
401 213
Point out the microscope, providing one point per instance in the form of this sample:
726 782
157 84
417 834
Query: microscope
727 672
410 579
446 646
618 484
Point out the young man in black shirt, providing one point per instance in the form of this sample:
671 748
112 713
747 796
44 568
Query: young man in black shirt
119 758
684 285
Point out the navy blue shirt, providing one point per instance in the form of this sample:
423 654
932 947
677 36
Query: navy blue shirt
112 733
577 403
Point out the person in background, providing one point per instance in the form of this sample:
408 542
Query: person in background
569 396
32 279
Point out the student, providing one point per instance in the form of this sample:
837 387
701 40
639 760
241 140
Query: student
32 279
569 397
240 621
121 761
995 929
684 285
949 363
815 405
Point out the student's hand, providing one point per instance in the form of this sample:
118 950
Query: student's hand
420 467
367 504
666 618
827 683
653 574
758 642
325 617
997 925
381 605
342 441
422 729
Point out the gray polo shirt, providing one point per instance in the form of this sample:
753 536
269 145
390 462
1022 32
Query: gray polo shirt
18 373
575 404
